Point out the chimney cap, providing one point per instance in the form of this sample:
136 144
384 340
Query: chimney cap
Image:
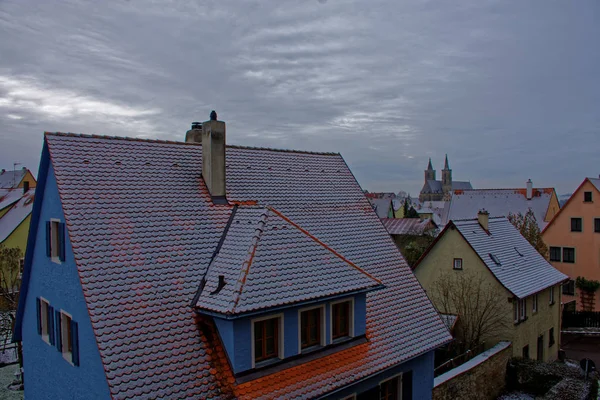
213 115
196 125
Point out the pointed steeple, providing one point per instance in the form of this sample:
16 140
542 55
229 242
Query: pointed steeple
429 167
446 163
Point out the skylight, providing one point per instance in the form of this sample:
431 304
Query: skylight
494 259
518 252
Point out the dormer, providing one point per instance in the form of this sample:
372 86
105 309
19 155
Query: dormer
279 294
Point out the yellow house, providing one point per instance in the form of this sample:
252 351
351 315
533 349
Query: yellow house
522 285
17 190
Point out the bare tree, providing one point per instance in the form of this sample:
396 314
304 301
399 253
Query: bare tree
480 306
10 284
528 227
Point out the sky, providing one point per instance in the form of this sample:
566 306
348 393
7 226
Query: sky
509 89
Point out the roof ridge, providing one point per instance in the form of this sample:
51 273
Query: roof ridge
304 231
163 141
239 287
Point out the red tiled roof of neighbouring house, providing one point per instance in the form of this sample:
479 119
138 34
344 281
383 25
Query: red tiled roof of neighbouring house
143 229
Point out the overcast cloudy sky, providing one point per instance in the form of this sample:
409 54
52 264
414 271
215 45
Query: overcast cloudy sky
509 89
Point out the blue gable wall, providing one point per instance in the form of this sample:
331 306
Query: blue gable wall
47 374
422 379
236 334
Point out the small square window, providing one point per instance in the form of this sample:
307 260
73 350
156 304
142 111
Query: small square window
526 351
458 263
596 224
266 339
520 309
551 296
576 225
55 240
66 335
341 320
568 254
535 302
45 320
555 254
587 197
551 337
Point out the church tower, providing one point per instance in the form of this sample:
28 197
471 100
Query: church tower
429 172
446 177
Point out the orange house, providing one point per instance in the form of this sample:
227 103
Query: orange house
573 238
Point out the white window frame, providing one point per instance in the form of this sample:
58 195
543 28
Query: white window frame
55 252
323 326
520 310
64 336
551 296
460 260
44 304
534 300
399 377
351 327
279 336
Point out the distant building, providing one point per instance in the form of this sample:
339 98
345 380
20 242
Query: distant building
16 202
495 250
573 238
434 190
500 202
16 179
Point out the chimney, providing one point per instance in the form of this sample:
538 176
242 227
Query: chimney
213 158
194 135
483 217
529 189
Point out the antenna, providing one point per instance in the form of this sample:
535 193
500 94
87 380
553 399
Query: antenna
15 173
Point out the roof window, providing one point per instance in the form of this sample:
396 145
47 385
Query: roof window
494 259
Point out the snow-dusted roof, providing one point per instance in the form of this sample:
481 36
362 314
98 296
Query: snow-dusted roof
434 186
17 214
407 226
499 203
11 179
520 268
8 197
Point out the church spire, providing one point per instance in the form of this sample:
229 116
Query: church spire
446 163
429 167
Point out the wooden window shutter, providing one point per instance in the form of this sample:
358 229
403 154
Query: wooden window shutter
58 330
407 385
38 307
61 240
75 341
48 238
51 325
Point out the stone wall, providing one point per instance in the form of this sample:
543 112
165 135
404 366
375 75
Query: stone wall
481 378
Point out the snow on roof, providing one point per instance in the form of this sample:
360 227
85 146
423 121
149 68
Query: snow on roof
9 197
10 179
16 214
509 256
499 203
407 226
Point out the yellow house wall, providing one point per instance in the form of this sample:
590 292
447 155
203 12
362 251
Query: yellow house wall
553 207
440 261
4 210
18 238
28 177
586 243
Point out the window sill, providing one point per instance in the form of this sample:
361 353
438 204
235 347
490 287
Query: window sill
68 356
56 260
341 339
46 338
266 363
521 321
310 349
552 303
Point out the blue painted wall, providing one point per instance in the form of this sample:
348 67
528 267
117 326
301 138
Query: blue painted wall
422 378
47 374
236 334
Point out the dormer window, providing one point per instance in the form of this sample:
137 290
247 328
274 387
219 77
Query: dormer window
341 323
266 338
311 328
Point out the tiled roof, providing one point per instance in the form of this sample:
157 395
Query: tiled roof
261 241
381 206
155 230
435 186
499 203
407 226
10 179
16 214
521 269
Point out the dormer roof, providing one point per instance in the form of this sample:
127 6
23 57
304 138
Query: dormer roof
268 261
